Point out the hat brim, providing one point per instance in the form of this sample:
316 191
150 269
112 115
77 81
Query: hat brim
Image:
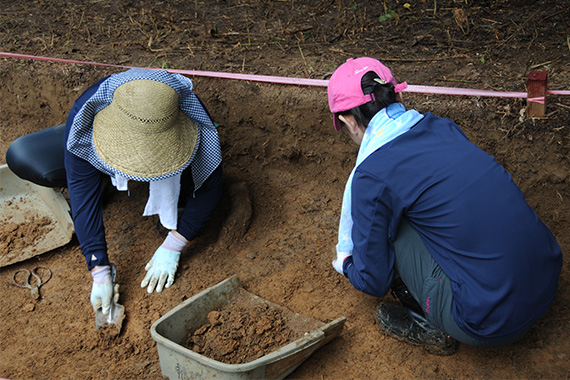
133 151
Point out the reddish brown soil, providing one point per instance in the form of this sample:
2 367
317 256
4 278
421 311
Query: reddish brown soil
242 331
279 140
15 236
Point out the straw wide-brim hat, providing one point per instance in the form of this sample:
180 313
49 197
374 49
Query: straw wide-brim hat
143 132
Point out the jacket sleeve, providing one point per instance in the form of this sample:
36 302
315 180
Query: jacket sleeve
370 268
199 204
84 183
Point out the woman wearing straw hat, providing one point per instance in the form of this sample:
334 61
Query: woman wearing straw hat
141 125
432 217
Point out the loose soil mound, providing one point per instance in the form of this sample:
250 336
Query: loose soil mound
15 236
242 332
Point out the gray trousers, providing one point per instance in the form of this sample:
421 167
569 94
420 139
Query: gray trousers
431 287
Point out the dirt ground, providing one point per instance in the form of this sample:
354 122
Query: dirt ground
279 140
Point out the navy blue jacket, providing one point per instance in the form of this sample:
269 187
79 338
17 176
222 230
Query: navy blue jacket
84 183
503 262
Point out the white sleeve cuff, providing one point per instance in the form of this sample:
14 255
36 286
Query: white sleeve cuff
339 261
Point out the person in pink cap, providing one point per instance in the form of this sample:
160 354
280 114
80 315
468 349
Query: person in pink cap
431 217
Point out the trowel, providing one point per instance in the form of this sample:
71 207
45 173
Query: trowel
116 312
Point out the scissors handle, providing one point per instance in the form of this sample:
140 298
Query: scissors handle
38 281
26 282
39 278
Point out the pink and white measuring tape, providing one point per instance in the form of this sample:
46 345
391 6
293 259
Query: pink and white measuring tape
303 81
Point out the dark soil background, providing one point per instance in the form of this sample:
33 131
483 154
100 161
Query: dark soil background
279 140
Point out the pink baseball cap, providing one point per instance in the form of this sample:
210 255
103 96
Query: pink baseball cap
345 90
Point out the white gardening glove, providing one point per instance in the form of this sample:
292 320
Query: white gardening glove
103 290
339 261
162 267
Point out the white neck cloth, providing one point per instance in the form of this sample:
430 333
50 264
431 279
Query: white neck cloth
384 127
162 198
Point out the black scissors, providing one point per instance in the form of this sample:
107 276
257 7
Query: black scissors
35 277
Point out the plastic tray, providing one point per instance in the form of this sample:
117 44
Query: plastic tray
179 362
23 201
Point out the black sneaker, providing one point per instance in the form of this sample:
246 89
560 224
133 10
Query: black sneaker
407 326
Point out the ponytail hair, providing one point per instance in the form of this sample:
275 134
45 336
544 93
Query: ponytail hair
383 95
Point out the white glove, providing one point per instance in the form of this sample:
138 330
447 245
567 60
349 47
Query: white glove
103 289
162 267
339 261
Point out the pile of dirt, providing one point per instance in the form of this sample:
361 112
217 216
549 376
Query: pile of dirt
16 236
242 332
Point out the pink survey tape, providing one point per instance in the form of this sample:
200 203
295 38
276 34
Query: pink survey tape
304 81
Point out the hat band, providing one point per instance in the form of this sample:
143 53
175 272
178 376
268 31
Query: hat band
146 120
400 87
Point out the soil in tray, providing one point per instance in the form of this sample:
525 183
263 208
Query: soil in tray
17 236
247 329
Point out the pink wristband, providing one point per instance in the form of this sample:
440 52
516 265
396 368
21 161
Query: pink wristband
172 243
99 275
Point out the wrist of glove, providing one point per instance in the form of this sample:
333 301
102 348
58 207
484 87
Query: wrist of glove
103 291
161 269
338 263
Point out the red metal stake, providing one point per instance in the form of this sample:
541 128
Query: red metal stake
536 101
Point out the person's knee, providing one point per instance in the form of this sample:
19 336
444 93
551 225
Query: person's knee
39 157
